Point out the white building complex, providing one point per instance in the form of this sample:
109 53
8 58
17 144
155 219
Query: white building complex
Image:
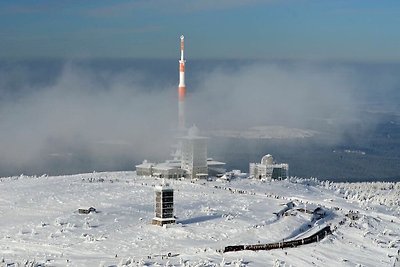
269 169
193 162
190 161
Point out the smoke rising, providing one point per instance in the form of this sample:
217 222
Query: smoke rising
262 94
84 119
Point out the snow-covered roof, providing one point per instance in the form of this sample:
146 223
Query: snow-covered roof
163 187
163 167
145 164
214 162
167 165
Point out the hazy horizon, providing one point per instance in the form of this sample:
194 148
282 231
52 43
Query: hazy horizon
72 116
94 86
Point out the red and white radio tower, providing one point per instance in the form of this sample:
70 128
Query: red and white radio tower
181 89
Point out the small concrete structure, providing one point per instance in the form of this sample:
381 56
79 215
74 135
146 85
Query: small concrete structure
353 215
87 211
164 205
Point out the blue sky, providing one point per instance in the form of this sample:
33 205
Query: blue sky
351 30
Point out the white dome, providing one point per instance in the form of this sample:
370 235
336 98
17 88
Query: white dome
267 160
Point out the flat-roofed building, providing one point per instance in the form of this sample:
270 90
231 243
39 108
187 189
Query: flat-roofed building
169 169
145 169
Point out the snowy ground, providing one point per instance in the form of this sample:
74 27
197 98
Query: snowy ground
40 223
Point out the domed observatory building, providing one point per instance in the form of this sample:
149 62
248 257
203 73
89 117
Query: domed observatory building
268 169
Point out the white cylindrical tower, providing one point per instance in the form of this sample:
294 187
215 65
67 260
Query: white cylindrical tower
181 88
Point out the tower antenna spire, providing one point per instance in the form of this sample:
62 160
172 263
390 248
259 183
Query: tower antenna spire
181 88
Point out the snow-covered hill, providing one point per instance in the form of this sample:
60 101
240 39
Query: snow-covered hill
40 223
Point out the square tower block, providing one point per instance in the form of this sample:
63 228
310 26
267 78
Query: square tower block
194 156
164 205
